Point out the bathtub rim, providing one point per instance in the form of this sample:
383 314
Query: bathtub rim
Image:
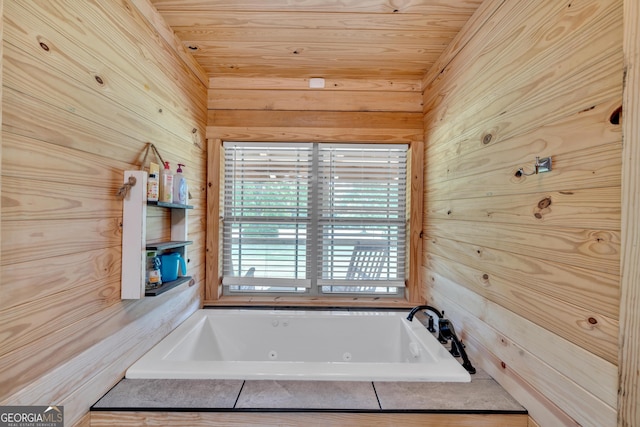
272 370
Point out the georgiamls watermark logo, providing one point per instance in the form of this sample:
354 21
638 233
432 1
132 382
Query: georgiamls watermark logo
31 416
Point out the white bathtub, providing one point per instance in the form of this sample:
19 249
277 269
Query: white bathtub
300 345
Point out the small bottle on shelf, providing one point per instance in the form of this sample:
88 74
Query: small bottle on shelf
180 188
154 278
166 184
153 188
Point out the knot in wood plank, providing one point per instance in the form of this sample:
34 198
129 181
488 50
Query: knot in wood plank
544 203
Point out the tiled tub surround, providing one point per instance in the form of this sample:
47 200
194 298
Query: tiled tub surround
345 345
222 403
482 395
295 402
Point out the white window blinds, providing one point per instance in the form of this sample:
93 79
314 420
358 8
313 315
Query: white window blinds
361 215
314 215
266 214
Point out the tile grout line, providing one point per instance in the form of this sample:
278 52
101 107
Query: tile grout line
376 393
239 393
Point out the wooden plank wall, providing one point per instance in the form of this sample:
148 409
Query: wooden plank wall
285 109
86 86
1 85
528 267
629 359
311 419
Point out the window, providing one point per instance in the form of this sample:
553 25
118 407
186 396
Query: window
314 218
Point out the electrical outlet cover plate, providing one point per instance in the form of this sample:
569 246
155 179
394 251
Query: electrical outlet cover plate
316 83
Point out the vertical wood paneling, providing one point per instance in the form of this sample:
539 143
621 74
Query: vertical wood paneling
212 290
86 86
1 117
528 79
629 389
415 223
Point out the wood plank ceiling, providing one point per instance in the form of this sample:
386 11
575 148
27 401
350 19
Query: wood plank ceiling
391 39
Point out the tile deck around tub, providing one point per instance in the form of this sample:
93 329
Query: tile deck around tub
482 395
308 395
164 394
479 395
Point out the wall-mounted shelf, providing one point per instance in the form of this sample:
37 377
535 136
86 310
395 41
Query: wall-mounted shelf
134 234
169 205
166 286
168 245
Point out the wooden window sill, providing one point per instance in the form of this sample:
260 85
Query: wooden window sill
270 301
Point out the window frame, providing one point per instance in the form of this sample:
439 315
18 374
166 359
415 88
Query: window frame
213 285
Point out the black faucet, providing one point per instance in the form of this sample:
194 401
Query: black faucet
446 332
423 307
430 327
457 348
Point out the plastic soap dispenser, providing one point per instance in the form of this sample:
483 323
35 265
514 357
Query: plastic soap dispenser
180 187
166 184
